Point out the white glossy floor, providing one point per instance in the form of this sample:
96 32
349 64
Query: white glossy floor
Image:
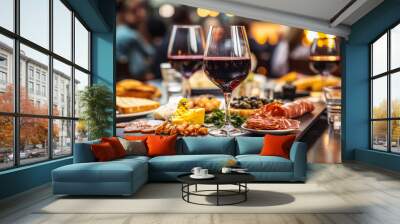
378 189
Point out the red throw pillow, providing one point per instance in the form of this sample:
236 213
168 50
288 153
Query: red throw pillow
103 152
116 145
277 145
161 145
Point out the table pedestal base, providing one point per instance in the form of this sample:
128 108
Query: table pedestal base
219 194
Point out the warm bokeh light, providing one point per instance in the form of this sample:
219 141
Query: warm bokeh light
309 37
266 32
205 12
202 12
166 10
229 15
213 13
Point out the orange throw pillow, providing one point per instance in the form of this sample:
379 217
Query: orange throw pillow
116 145
103 152
277 145
161 145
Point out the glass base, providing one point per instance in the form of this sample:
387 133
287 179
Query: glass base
227 131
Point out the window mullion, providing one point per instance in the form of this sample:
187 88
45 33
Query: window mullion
16 69
73 81
389 101
50 81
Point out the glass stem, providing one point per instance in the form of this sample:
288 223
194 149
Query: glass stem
186 90
325 76
227 97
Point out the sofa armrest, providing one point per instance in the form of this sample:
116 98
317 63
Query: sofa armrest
298 155
83 152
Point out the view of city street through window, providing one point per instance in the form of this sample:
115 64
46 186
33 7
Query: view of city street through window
44 104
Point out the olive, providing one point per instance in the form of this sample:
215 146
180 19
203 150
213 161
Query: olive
253 98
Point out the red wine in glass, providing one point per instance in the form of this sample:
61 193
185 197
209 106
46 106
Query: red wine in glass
324 64
227 72
227 63
185 52
186 65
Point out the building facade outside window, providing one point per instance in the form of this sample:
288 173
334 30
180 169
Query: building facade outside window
3 72
41 123
384 91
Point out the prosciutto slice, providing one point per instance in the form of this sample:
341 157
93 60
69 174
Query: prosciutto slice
271 123
297 108
289 110
275 116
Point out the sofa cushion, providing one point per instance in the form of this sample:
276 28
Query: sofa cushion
103 152
185 163
83 153
208 145
257 163
112 171
134 147
116 145
132 158
277 145
159 145
249 145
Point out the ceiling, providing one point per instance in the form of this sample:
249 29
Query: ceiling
328 16
320 8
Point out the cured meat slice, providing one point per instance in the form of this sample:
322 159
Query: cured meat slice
288 110
271 123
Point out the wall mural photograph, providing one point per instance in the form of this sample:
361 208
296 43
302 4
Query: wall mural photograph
180 69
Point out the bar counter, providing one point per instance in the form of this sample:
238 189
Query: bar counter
306 120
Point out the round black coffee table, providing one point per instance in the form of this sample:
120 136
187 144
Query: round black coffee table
238 179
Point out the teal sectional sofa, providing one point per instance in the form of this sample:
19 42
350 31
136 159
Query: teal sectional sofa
125 176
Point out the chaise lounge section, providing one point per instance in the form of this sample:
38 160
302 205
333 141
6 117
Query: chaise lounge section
125 176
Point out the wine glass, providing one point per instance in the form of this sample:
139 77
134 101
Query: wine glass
227 63
324 56
185 52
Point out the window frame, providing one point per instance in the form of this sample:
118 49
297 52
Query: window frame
16 114
388 74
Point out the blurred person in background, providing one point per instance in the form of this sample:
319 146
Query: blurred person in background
157 32
133 50
269 43
180 17
280 56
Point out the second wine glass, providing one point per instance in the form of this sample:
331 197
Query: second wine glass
227 64
185 52
324 56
